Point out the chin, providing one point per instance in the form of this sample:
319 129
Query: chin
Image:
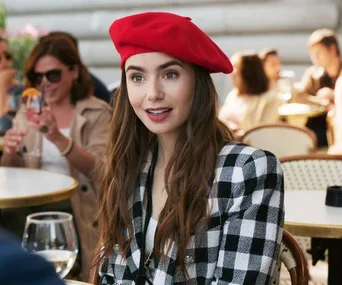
162 129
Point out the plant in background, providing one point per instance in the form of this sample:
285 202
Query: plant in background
3 14
21 44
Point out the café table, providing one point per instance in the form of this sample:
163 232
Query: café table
23 187
307 215
298 114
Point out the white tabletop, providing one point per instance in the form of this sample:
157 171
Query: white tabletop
299 109
307 215
21 187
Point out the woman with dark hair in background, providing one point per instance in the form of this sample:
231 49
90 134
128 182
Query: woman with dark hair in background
180 202
272 66
74 125
251 102
10 88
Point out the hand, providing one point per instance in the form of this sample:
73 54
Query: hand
233 126
6 78
335 149
12 141
326 93
46 123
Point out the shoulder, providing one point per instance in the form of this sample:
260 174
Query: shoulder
92 104
238 162
243 170
35 270
270 96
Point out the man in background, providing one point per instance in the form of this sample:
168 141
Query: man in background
318 82
100 90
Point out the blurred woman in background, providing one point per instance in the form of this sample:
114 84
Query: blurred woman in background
74 123
251 102
10 88
272 66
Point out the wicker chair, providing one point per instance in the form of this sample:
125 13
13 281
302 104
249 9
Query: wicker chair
311 172
280 138
290 255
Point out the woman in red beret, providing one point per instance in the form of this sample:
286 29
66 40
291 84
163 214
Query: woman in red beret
181 203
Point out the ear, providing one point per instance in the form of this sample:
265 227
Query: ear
75 71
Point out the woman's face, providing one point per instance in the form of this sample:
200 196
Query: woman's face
161 91
272 66
5 57
55 77
321 55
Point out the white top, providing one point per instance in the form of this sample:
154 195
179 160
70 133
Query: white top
51 158
151 230
23 184
308 207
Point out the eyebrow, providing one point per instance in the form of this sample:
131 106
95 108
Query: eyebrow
160 67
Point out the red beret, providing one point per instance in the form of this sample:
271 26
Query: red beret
169 33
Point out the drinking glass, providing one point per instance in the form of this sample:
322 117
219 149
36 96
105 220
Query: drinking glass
52 235
285 85
31 145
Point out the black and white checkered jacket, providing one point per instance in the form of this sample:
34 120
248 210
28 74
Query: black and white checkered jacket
246 221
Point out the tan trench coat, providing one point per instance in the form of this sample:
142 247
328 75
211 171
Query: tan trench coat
88 129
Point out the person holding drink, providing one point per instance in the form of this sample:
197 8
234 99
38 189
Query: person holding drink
73 124
180 202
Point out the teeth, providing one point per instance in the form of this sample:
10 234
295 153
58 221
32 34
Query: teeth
158 111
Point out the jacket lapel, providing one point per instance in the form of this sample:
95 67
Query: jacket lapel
136 206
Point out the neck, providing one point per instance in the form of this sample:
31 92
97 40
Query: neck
334 68
272 83
166 146
62 105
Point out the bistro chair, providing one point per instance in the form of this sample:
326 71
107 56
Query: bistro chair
293 258
312 171
282 139
291 255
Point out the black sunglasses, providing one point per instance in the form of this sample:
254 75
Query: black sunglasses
53 75
6 55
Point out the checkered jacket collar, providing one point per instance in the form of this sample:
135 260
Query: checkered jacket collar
136 206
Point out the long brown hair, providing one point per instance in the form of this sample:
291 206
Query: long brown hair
251 68
187 174
65 51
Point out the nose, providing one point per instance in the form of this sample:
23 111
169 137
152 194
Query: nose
154 91
44 81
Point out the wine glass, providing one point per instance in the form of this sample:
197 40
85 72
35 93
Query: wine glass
285 85
52 235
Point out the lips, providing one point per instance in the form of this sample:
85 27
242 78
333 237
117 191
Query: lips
158 114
